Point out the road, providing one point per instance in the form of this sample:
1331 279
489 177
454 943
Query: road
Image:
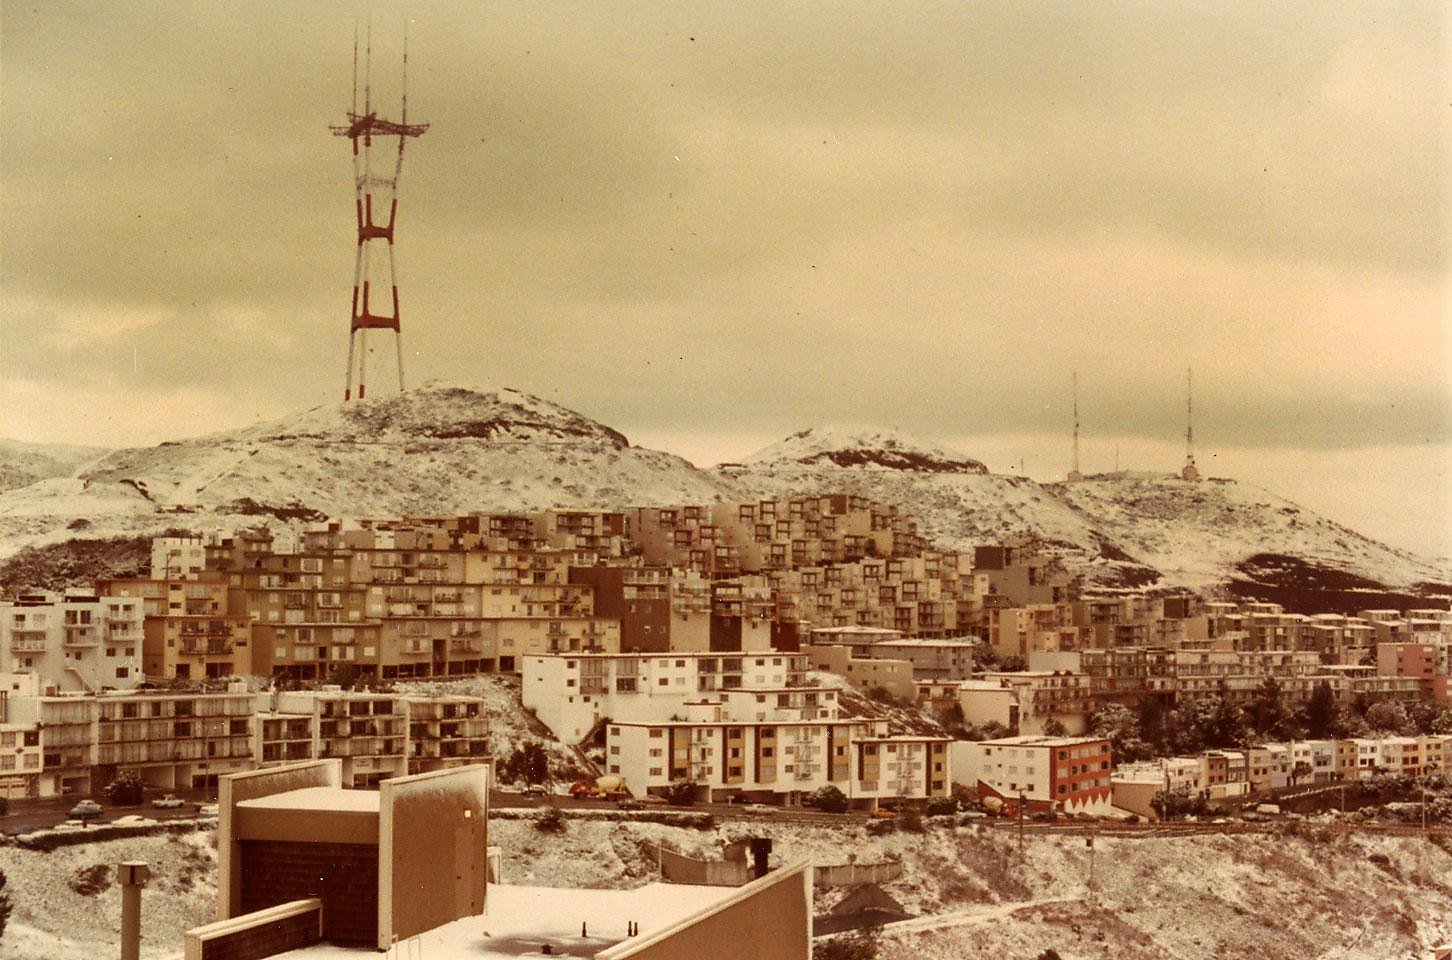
45 813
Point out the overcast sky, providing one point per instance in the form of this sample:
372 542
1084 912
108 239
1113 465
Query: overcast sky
711 225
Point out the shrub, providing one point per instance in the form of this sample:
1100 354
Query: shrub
682 793
942 806
551 821
828 799
4 806
911 819
861 945
4 904
125 791
90 881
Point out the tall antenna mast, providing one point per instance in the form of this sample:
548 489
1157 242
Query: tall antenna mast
361 129
1074 474
1190 472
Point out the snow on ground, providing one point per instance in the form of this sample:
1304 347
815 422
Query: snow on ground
51 921
1205 897
1212 897
510 724
437 449
1193 534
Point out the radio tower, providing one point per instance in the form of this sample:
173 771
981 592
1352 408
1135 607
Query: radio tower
362 128
1074 475
1191 472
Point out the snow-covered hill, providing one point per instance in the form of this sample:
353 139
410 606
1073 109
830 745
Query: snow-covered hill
852 446
1123 528
22 464
436 449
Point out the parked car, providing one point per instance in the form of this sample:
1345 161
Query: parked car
168 802
654 800
759 808
882 813
629 803
86 810
535 790
207 810
132 820
70 826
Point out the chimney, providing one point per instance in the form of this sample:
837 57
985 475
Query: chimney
760 851
133 874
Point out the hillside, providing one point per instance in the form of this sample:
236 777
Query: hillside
22 464
1124 529
436 449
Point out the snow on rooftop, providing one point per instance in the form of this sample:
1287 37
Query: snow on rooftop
333 799
518 921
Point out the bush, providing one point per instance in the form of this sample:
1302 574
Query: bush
125 791
682 793
942 806
551 821
4 806
910 819
4 904
90 881
528 762
861 945
828 799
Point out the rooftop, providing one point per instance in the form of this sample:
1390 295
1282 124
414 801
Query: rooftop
332 799
519 921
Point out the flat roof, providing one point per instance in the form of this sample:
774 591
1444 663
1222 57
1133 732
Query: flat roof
316 798
518 921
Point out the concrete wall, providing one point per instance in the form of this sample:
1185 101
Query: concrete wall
253 936
433 850
248 786
768 919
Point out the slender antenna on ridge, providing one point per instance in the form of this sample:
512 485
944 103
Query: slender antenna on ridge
355 66
404 119
1074 474
1190 472
368 71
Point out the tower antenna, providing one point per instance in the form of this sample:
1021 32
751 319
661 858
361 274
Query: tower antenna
361 129
1190 472
1074 475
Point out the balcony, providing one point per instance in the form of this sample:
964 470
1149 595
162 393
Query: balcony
81 635
28 642
214 647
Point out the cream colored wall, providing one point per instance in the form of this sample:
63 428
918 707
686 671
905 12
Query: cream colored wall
433 850
768 919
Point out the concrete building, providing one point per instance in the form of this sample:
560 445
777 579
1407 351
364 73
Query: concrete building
570 694
1064 774
308 869
76 641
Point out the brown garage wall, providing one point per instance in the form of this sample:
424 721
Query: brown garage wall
248 786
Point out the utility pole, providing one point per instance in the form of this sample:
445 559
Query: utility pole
1020 825
1090 842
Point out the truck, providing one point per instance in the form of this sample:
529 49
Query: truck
605 788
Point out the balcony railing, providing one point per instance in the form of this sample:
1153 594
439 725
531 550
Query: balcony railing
23 644
209 648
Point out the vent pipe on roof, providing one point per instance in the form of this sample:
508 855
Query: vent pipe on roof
133 874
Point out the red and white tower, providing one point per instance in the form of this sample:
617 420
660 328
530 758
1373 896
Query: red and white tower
368 271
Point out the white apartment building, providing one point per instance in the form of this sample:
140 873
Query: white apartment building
76 641
570 693
780 761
